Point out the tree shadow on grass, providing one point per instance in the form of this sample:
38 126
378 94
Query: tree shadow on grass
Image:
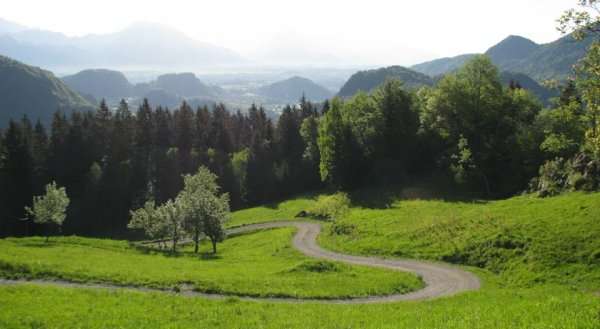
384 197
152 250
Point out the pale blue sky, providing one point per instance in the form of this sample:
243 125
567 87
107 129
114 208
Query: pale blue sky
373 31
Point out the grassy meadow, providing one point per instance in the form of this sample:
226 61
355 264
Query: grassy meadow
64 308
259 264
538 260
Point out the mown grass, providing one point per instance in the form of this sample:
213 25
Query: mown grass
525 240
64 308
258 264
285 210
539 260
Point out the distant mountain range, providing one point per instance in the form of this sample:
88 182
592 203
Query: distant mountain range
516 54
31 91
138 46
292 89
167 90
369 80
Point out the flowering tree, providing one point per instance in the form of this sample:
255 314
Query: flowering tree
51 207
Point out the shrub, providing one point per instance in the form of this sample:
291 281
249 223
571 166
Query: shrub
319 266
331 206
341 229
580 173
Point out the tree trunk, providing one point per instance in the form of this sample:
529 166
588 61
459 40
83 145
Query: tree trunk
196 241
214 245
487 185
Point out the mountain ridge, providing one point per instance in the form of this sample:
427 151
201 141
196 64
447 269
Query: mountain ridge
34 92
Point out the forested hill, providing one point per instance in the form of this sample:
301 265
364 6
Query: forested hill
182 84
442 66
553 60
371 79
521 80
100 83
31 91
292 89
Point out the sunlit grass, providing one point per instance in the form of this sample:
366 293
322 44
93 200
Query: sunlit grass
258 264
65 308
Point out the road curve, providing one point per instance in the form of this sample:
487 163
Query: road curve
440 279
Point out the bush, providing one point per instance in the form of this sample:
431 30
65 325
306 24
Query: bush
331 206
319 266
341 229
580 173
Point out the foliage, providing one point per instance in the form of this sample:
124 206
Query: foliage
51 207
148 219
462 161
331 207
581 22
471 105
197 209
122 159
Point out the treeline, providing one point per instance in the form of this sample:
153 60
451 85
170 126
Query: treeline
486 139
489 139
113 161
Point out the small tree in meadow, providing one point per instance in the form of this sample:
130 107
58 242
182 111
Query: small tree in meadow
213 223
49 208
149 219
204 210
172 214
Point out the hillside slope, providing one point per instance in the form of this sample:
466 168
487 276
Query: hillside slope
442 65
553 60
525 240
292 89
370 79
100 83
543 94
31 91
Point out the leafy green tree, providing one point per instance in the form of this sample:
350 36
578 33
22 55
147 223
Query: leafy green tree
204 209
173 215
473 105
213 223
462 165
581 21
332 137
309 130
50 208
239 163
149 219
400 121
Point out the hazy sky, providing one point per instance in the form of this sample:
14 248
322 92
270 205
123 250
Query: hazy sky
367 32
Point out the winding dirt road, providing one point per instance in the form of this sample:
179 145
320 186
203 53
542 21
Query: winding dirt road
440 279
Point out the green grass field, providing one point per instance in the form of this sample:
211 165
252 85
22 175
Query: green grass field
539 262
258 264
525 240
65 308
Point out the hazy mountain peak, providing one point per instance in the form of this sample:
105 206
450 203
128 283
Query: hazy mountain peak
292 89
7 27
511 48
